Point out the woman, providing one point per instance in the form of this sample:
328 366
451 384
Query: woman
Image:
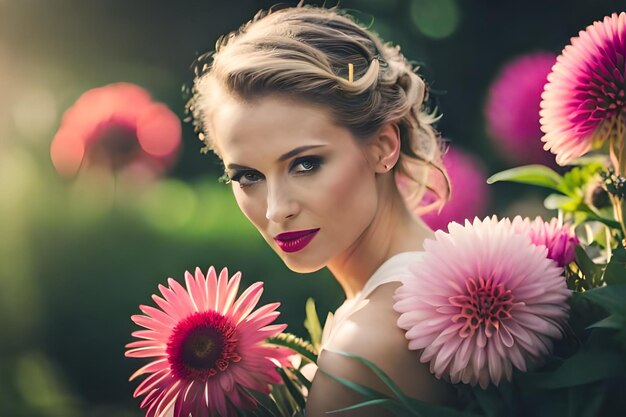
314 117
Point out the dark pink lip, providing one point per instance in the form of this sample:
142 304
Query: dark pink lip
295 241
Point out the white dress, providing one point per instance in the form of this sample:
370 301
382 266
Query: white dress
394 269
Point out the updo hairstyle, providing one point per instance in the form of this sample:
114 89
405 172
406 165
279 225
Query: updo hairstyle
303 52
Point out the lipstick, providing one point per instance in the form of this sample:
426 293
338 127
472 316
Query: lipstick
296 240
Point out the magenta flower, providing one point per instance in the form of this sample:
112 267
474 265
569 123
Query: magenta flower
483 300
117 126
512 108
583 100
469 192
208 347
560 239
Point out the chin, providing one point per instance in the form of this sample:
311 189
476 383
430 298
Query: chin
301 267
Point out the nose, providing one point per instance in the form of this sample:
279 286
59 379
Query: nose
281 204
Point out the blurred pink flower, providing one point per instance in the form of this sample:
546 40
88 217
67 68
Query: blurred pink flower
559 239
483 299
512 108
583 100
469 192
117 126
208 347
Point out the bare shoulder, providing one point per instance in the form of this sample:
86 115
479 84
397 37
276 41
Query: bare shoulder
373 334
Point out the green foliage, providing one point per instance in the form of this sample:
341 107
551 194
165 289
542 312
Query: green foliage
295 343
539 175
615 272
312 324
400 404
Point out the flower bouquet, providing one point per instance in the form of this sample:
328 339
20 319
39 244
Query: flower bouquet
528 317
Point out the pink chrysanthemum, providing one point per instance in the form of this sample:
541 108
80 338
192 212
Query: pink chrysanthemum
117 126
583 101
560 239
469 192
512 108
484 299
208 347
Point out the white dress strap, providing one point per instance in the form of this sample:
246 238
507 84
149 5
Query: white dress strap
393 269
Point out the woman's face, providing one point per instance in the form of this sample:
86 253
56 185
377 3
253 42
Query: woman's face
294 170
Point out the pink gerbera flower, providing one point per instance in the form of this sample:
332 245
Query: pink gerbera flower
512 108
117 126
560 239
484 300
583 101
208 347
469 192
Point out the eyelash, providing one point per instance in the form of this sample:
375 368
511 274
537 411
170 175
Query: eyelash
315 161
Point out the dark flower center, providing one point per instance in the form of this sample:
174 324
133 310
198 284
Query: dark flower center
113 144
202 345
601 91
484 306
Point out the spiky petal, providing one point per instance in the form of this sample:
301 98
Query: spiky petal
208 347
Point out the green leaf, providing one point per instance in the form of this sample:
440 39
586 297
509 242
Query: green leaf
303 379
361 389
379 373
615 272
559 201
591 271
265 403
312 323
610 297
531 174
296 344
415 406
594 217
584 367
577 178
389 403
295 391
611 322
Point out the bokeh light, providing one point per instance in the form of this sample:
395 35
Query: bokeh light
436 19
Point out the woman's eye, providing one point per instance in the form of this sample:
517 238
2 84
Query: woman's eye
307 164
245 178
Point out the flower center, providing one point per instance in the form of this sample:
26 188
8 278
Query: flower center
484 306
113 145
202 345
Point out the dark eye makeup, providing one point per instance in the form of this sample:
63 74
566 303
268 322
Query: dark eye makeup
309 165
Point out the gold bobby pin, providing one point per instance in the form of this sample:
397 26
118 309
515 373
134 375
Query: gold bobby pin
350 72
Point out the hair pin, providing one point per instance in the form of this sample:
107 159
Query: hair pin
350 72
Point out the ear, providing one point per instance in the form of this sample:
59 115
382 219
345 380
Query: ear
384 148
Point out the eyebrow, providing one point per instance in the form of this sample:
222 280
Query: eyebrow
281 158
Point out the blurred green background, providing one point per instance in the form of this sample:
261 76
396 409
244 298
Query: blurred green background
77 256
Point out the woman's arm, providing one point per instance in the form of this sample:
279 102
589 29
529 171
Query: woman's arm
373 334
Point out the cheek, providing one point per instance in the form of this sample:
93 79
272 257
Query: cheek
352 195
253 208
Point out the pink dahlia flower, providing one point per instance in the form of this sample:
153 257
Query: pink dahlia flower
584 98
484 300
560 239
117 126
208 347
512 108
469 192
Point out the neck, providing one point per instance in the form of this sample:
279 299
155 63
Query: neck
393 230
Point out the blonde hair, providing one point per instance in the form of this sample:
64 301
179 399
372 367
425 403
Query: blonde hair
304 52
